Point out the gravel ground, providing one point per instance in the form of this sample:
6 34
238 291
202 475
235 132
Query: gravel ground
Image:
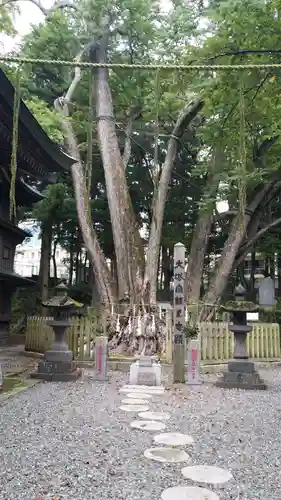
72 440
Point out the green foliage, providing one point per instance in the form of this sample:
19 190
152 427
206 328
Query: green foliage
144 32
190 331
7 13
48 118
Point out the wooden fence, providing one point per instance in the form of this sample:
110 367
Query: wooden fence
39 336
216 340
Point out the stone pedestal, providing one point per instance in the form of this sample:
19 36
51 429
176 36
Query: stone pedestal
58 364
241 375
145 371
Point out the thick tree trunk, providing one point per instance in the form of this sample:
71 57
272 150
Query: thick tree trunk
160 196
200 239
71 263
55 262
127 241
45 257
90 238
166 268
77 267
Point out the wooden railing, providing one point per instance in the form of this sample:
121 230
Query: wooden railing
215 338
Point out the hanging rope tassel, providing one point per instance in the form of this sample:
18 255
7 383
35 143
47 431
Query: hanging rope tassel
15 137
242 182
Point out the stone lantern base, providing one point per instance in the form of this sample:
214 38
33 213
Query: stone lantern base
58 364
57 371
241 375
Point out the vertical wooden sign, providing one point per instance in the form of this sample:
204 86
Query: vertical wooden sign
179 314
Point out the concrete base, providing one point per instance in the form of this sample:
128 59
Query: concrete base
55 371
241 375
145 371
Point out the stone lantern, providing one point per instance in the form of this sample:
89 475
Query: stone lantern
58 364
241 372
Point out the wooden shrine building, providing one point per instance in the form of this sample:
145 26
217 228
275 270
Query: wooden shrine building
38 159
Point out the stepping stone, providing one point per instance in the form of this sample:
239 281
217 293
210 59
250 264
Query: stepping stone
207 474
173 439
145 387
167 455
188 493
138 395
141 391
148 425
134 408
136 401
148 389
155 415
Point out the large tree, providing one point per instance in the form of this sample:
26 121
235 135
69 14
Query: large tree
239 137
124 33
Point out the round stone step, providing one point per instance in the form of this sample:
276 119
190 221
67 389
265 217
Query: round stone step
138 395
148 425
157 390
129 401
207 474
135 408
167 455
188 493
155 415
173 439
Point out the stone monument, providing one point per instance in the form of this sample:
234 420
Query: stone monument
179 315
58 364
101 357
241 372
145 371
266 292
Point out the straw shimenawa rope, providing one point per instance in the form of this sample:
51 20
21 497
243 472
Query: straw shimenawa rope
15 136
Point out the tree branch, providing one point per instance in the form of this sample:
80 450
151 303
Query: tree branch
159 198
224 215
134 115
244 249
59 4
245 52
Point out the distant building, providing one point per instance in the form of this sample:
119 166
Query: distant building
27 260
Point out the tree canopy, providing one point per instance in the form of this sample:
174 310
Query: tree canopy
157 149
